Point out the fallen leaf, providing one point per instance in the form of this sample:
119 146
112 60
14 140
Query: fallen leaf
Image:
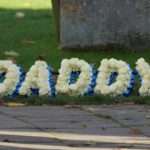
27 42
119 101
14 104
128 103
135 131
141 110
19 14
11 53
71 106
90 109
147 116
83 125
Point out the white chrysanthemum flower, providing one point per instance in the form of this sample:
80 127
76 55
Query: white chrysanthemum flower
122 80
144 70
37 78
12 78
83 82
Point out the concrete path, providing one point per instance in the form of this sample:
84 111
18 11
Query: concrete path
113 127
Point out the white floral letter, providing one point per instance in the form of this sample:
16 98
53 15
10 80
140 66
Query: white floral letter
12 80
38 78
124 78
82 85
143 69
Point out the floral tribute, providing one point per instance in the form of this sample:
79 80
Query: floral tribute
65 82
38 80
12 75
143 70
76 78
107 71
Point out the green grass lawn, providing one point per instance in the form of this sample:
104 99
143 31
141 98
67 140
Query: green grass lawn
38 26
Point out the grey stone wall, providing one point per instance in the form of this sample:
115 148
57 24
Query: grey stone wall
103 23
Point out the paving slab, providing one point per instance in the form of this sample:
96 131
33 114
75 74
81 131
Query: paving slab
87 127
128 115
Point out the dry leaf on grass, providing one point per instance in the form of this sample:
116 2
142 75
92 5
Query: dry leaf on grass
11 53
135 131
71 106
27 42
14 104
19 14
123 102
119 101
